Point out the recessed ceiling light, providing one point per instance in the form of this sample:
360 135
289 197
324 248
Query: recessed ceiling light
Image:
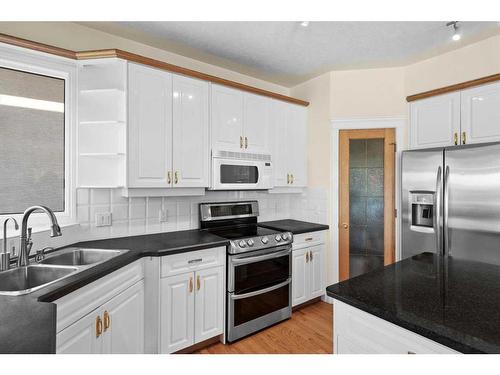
456 33
304 23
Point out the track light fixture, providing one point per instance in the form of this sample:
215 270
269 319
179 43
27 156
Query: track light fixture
456 33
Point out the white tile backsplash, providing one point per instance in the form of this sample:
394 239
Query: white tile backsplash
132 216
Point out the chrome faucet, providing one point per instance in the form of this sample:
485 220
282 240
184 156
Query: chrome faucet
26 242
5 256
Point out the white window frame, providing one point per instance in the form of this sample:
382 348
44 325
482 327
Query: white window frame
18 58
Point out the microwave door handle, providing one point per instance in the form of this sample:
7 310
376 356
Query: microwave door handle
446 209
437 212
253 259
261 291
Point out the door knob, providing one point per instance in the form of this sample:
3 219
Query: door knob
345 225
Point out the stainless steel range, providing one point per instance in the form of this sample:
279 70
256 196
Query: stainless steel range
259 267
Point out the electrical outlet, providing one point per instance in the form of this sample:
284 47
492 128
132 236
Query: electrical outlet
163 215
103 219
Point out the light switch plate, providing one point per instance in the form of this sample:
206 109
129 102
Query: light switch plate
103 219
163 215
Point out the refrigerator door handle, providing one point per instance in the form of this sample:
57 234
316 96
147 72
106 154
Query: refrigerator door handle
445 211
437 212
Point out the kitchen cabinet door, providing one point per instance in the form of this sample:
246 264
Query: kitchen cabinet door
256 129
297 144
81 337
481 114
227 119
435 122
177 312
190 132
300 276
123 322
279 140
208 319
317 271
150 127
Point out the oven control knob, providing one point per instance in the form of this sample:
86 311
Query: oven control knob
250 242
285 236
277 238
264 240
242 243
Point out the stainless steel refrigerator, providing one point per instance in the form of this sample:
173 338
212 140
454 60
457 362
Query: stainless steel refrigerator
450 202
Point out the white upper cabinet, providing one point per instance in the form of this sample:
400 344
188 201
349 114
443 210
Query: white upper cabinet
240 121
256 125
289 140
481 114
190 132
435 122
168 130
150 127
227 119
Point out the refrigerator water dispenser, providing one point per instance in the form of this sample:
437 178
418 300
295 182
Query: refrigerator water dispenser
422 209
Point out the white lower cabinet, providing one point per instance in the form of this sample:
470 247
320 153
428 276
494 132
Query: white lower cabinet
80 337
177 312
115 328
191 303
106 316
357 332
308 267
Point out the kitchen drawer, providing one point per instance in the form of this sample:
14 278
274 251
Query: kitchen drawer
357 332
308 239
192 261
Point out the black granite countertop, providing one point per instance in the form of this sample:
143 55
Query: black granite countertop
294 226
451 301
28 322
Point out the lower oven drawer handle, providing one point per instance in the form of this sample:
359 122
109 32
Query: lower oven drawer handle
262 291
260 257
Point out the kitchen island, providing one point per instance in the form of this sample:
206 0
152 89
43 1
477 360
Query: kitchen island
442 304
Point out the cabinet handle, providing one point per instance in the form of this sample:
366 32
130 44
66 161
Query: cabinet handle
307 257
98 326
311 256
463 138
107 321
287 178
455 137
291 178
308 239
169 177
246 142
198 283
176 177
190 285
241 141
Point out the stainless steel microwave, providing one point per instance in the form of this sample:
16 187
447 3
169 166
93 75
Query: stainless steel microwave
241 171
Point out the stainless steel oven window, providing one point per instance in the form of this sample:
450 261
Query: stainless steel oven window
259 269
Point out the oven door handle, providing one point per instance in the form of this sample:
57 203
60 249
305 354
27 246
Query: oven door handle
261 291
253 259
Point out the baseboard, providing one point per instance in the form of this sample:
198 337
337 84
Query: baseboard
200 345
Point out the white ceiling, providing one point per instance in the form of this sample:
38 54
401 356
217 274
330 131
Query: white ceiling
288 53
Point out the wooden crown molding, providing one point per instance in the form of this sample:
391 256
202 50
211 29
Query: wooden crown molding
456 87
129 56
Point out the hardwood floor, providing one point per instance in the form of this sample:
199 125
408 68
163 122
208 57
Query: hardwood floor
309 331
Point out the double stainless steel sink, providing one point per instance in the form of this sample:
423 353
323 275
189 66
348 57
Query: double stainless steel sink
55 267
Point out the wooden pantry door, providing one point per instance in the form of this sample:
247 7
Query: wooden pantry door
366 200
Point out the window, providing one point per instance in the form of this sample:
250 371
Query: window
32 141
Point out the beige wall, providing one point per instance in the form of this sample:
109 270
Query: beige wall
77 37
367 93
473 61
